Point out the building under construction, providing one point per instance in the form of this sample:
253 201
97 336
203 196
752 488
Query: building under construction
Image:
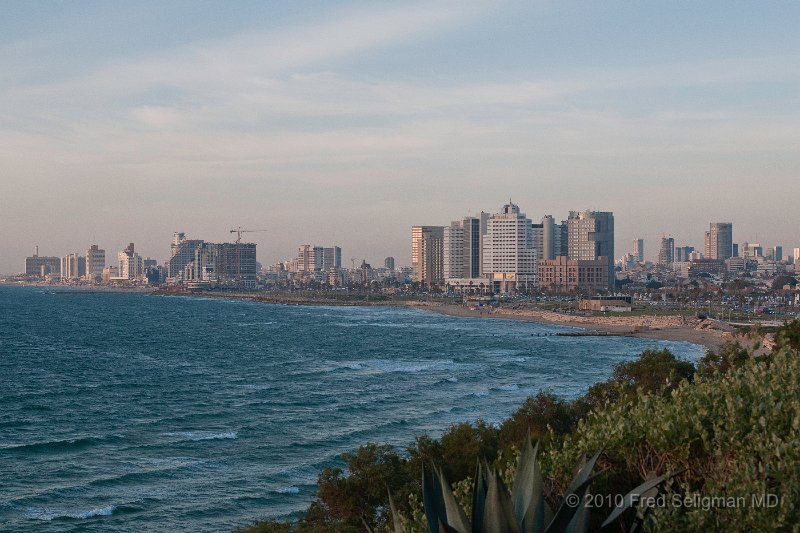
199 264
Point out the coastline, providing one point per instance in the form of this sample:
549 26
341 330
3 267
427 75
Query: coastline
668 328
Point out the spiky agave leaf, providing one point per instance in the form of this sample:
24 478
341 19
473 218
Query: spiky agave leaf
631 499
528 493
441 507
498 515
455 515
432 499
480 486
580 520
575 494
397 524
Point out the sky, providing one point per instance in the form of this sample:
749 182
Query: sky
348 122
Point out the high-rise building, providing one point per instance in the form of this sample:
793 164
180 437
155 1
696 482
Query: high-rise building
554 238
41 266
331 258
666 254
638 250
512 248
777 253
73 266
318 258
719 241
453 250
683 253
427 254
388 263
131 265
235 264
183 252
95 263
591 236
463 247
227 264
796 255
306 258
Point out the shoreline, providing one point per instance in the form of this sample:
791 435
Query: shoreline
668 328
710 339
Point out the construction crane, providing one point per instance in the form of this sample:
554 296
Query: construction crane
239 232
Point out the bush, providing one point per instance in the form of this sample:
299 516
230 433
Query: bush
655 371
538 416
734 435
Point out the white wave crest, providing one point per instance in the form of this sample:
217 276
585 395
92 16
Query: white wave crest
203 435
47 515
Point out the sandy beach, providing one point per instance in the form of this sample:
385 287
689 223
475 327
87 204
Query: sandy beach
670 327
673 328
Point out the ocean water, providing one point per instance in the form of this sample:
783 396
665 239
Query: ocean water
132 412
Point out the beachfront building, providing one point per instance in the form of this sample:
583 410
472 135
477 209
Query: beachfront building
427 255
564 275
131 265
463 247
590 237
555 238
511 251
73 267
183 252
95 263
41 266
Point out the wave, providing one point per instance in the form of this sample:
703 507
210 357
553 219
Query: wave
408 367
203 435
511 387
256 386
288 490
61 445
35 513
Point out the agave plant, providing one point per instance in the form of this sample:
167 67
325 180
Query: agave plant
523 509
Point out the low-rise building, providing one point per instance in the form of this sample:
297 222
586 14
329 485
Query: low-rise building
568 275
622 304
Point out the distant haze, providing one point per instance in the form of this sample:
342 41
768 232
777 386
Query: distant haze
125 121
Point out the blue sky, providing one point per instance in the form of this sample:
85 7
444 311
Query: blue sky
349 122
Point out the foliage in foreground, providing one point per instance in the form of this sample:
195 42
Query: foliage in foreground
730 427
523 509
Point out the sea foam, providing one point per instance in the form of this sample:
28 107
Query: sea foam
35 513
203 435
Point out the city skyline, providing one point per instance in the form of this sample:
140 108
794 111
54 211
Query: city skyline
652 250
350 123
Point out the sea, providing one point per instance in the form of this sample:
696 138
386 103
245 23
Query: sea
134 412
